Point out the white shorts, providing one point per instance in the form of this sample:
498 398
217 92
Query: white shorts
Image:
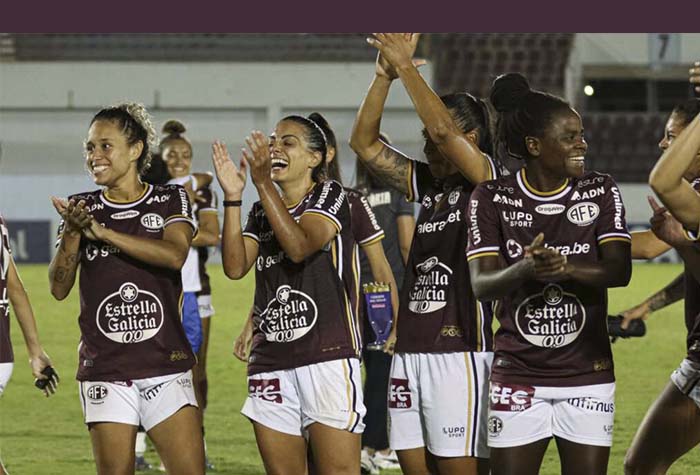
145 402
290 400
520 415
206 309
686 378
5 374
440 401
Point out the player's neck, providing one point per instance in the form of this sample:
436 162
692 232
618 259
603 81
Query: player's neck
292 193
542 180
127 189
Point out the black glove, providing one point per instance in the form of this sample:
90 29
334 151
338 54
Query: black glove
636 328
51 378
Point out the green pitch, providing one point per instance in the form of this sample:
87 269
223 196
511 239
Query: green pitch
40 436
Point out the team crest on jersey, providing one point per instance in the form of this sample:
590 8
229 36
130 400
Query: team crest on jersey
583 214
130 315
289 316
552 318
429 292
152 221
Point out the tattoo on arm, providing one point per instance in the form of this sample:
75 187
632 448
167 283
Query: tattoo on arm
61 274
672 293
390 166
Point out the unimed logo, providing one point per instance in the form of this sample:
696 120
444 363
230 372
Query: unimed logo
97 392
399 394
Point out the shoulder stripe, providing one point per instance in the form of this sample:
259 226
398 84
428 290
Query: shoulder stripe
378 236
328 217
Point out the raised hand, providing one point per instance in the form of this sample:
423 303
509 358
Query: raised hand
547 264
75 216
665 226
695 78
231 178
258 159
395 50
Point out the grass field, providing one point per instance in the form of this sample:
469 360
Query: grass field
40 436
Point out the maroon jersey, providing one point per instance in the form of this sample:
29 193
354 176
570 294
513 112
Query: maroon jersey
438 311
692 301
130 318
304 313
365 227
207 202
551 334
6 355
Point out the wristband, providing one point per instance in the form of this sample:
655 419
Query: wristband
228 203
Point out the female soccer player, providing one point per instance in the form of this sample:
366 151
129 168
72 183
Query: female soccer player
547 243
303 370
671 427
12 292
130 241
444 334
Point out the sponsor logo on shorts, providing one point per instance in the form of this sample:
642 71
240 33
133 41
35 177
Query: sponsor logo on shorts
583 214
552 318
495 426
96 393
130 315
399 394
152 222
608 428
178 355
185 382
550 209
429 292
150 393
511 397
289 316
592 404
265 389
132 213
454 432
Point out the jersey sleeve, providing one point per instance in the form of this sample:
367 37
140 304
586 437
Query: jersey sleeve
251 227
402 206
5 239
693 234
420 180
365 228
611 224
327 202
484 227
179 208
206 201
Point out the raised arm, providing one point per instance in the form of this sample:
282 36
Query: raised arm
463 152
237 254
673 292
667 180
385 162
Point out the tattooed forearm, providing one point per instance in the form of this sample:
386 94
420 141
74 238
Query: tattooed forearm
390 166
672 293
62 269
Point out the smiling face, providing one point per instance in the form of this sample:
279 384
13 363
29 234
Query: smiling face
562 148
674 126
108 155
292 159
177 156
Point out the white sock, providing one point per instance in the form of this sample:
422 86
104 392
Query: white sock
140 444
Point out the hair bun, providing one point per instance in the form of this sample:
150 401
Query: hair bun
508 91
174 127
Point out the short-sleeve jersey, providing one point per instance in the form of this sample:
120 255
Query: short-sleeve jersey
438 311
692 301
304 312
190 269
551 333
6 355
388 205
130 316
207 202
365 227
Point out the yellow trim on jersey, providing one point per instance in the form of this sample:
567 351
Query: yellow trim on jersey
372 241
479 317
316 213
179 303
690 236
355 272
483 254
470 402
208 210
348 388
146 187
535 191
409 182
623 239
490 166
